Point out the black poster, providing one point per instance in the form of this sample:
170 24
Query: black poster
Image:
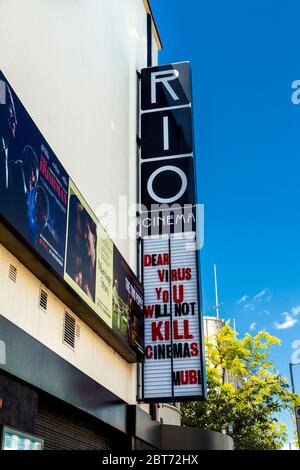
167 182
167 133
166 86
33 183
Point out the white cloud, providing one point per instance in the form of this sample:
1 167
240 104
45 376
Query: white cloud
289 322
265 312
295 310
250 304
263 293
249 307
296 354
252 326
243 299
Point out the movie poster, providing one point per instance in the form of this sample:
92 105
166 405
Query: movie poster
33 183
127 303
81 250
105 275
99 274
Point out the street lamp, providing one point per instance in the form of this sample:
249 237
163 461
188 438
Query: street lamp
291 374
293 390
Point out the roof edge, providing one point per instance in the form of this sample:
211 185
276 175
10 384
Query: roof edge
155 29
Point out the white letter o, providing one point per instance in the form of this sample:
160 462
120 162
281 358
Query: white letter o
169 199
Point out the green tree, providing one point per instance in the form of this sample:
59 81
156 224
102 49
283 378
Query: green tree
245 391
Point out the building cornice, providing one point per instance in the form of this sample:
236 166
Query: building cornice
155 29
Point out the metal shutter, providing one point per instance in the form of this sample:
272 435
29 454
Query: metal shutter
63 432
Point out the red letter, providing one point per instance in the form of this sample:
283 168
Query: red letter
147 260
158 292
193 377
166 296
176 332
167 330
178 298
148 352
186 330
194 349
156 333
184 378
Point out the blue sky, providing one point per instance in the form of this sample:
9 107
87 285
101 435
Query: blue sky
244 58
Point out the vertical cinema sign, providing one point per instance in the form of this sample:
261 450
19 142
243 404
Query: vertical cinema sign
167 157
173 365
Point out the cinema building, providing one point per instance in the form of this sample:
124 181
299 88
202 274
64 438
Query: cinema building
71 297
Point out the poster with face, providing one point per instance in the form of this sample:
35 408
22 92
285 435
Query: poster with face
33 183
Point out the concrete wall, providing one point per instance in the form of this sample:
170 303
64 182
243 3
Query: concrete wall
169 414
73 65
211 326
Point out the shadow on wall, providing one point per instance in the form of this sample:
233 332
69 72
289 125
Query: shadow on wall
188 438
